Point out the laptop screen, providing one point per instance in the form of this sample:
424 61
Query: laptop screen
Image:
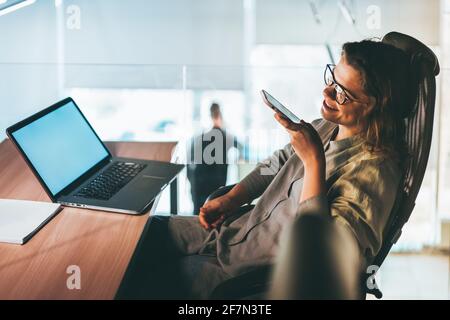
61 146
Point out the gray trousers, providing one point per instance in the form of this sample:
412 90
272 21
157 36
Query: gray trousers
166 263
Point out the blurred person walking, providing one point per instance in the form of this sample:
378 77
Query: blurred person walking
207 169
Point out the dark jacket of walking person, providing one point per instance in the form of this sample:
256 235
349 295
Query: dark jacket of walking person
208 168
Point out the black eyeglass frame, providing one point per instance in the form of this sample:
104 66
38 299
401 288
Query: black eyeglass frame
336 85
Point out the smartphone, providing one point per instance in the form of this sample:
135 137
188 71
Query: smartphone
278 107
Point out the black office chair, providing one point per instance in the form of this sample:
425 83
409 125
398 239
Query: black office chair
419 129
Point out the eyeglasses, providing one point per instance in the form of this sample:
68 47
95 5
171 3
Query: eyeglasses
341 96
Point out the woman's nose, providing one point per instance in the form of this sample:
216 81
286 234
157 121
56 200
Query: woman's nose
328 92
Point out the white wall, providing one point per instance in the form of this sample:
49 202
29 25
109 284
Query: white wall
292 22
142 32
122 36
27 36
200 32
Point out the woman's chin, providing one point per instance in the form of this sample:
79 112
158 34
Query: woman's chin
330 116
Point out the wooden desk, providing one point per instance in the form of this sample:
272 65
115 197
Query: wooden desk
100 243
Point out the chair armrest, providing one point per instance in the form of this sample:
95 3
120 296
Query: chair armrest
220 192
314 263
318 259
224 190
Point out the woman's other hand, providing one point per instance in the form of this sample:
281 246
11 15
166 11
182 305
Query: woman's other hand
215 211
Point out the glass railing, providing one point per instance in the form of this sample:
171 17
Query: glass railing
155 103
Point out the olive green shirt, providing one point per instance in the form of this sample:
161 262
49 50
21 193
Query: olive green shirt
361 192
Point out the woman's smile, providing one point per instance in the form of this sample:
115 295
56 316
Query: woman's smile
328 108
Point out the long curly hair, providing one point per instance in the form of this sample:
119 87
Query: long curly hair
387 76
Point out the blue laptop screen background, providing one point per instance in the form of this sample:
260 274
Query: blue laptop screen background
61 146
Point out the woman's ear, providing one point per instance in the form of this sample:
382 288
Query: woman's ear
369 107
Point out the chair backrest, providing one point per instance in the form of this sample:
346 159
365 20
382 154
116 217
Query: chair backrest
419 129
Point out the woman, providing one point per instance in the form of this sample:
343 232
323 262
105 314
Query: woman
346 166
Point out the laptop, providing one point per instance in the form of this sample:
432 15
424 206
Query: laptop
77 170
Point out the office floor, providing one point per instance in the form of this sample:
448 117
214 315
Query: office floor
415 276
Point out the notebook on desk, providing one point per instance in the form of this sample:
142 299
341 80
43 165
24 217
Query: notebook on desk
20 220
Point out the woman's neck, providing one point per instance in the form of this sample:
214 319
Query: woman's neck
346 132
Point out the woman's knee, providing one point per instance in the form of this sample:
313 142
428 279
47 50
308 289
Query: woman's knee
187 234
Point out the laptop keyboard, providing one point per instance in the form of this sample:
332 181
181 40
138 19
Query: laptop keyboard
110 181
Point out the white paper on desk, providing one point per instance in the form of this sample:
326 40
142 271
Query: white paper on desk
20 220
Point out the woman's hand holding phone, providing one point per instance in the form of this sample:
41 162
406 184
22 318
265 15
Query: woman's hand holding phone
308 146
305 141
